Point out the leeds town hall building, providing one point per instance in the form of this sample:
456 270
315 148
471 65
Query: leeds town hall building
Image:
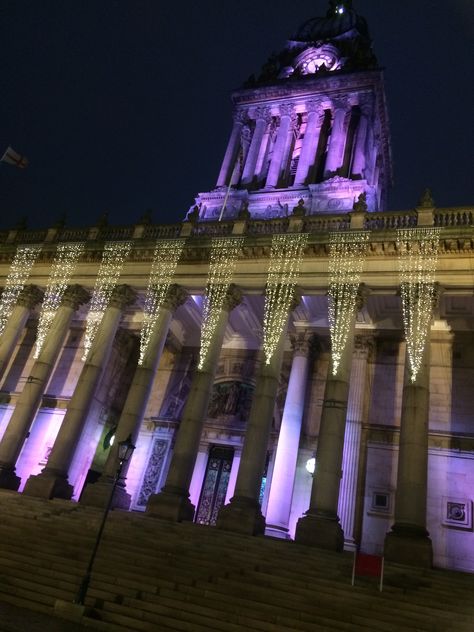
291 359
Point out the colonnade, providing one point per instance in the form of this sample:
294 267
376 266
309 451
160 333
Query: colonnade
340 430
327 144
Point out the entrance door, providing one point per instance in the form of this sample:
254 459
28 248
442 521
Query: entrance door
215 484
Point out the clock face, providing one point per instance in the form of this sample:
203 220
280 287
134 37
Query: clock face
312 60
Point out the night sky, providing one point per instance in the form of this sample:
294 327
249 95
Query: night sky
123 105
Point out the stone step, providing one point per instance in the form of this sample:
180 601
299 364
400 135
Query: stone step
262 616
304 609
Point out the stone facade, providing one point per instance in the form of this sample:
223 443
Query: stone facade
239 424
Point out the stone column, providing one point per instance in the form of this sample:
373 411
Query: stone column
408 542
173 503
320 525
261 123
32 394
29 297
358 166
243 513
284 469
352 439
232 150
310 143
337 142
97 494
274 171
53 482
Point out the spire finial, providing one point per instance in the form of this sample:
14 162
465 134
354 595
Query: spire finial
339 7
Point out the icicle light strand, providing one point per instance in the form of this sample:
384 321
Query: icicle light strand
418 251
285 263
165 260
62 270
20 269
224 254
346 261
113 258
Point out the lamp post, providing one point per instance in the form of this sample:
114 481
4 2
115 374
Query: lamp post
125 451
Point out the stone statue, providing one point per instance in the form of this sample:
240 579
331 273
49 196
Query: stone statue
361 205
426 200
300 209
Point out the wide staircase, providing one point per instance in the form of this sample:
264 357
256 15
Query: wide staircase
158 576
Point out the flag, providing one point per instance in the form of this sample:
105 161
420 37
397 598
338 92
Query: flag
11 157
368 566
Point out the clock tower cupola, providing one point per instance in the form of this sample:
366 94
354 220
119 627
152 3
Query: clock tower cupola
311 126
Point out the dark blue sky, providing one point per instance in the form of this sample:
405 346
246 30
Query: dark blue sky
123 105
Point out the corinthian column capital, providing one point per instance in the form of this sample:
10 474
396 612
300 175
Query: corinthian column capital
240 116
30 296
302 342
175 297
364 347
286 109
264 114
75 296
233 297
122 296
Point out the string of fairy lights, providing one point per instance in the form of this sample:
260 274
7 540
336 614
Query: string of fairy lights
113 257
285 263
64 264
346 261
165 259
418 251
224 254
23 261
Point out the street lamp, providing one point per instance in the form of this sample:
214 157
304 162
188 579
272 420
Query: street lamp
125 451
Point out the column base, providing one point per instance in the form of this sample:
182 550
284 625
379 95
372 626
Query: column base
274 531
171 505
46 485
98 494
325 533
241 515
405 544
8 478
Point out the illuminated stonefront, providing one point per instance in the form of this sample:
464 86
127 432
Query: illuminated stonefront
308 162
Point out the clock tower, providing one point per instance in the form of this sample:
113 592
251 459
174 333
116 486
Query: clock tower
311 126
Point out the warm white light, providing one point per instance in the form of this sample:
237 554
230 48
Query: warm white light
20 269
113 258
417 258
224 254
346 260
165 260
311 465
62 269
285 262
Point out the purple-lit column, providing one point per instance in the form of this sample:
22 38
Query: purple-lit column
363 348
360 156
172 503
243 513
232 150
283 135
261 124
29 297
97 494
310 142
408 542
320 525
36 383
53 480
338 141
284 469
